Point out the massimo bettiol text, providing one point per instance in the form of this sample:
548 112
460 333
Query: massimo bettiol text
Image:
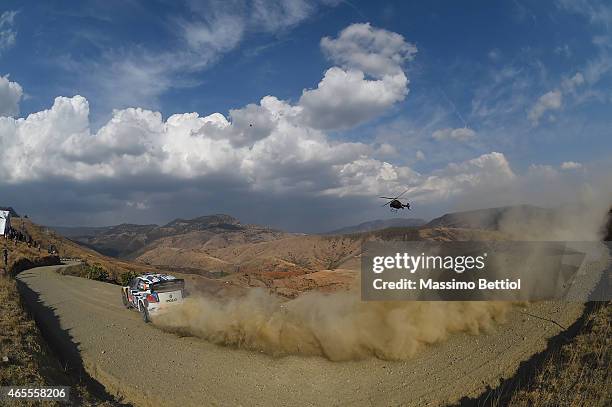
457 264
473 271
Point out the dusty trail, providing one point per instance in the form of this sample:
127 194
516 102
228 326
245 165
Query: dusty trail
149 367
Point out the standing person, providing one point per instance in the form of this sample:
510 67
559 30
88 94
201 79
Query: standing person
5 255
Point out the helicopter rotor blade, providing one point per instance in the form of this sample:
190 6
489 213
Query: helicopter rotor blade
400 195
385 197
385 204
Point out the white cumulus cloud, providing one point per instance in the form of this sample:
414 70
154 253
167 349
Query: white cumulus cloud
344 99
137 147
375 51
570 165
346 96
10 96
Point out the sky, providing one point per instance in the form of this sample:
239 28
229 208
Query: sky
299 114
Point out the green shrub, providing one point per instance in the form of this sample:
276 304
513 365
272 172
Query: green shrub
78 270
125 278
217 274
97 272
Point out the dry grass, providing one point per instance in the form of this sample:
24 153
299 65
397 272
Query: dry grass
578 374
19 341
30 361
573 371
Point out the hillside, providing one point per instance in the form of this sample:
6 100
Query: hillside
377 225
127 240
27 359
292 264
491 218
219 247
67 248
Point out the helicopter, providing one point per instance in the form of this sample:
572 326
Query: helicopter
395 204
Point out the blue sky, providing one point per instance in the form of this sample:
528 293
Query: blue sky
514 94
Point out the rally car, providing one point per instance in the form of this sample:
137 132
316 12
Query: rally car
151 293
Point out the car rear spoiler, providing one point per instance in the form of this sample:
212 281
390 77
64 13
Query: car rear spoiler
168 285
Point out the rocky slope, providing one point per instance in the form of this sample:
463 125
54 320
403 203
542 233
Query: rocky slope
130 240
219 247
293 264
70 249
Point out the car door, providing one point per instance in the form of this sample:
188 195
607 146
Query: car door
142 294
133 292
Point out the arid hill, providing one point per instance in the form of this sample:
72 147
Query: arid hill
129 240
378 225
67 248
286 253
291 264
220 248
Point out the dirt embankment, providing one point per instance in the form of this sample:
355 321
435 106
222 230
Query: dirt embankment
577 373
574 369
27 263
25 357
110 268
22 256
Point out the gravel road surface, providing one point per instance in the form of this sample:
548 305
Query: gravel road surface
148 367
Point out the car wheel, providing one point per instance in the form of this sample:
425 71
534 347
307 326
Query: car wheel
145 313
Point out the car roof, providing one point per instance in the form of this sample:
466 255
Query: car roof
156 277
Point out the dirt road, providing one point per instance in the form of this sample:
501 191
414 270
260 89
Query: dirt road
149 367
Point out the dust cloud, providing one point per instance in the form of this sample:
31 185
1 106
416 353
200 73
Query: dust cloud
579 222
338 326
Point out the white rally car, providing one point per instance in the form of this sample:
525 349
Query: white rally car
151 293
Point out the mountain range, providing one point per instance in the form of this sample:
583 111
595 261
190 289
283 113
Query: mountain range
377 225
127 240
212 232
220 248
